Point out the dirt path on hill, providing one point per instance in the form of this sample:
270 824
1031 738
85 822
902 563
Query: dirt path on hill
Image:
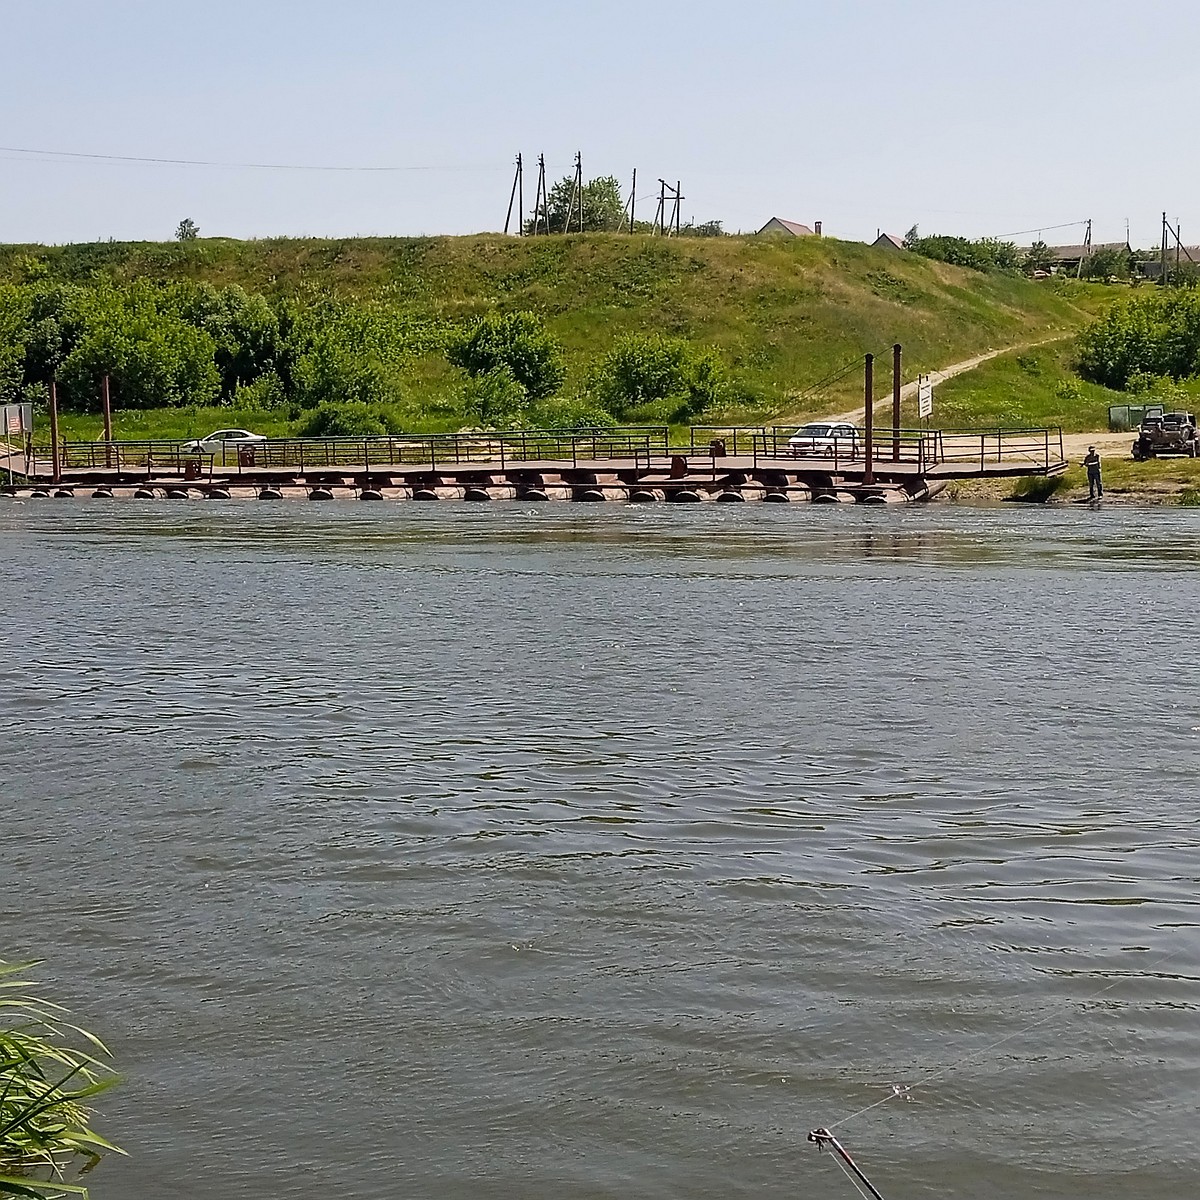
909 390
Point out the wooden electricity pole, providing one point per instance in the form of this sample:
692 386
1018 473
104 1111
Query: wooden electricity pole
541 207
576 194
517 194
1087 249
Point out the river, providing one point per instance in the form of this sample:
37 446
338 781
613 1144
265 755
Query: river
567 852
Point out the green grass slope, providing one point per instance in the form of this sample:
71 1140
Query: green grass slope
783 313
1036 386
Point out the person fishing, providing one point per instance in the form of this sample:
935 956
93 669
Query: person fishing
1091 460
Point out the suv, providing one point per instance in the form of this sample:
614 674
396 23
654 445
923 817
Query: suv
1172 433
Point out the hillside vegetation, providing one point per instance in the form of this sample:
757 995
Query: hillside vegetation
745 327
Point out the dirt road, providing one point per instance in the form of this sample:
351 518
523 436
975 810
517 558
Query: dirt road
909 390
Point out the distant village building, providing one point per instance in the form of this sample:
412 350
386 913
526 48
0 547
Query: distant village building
1065 259
1185 258
777 225
888 241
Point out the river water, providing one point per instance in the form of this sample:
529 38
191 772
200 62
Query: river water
569 852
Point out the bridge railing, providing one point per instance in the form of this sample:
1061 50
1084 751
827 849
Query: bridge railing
1035 447
505 448
638 445
774 443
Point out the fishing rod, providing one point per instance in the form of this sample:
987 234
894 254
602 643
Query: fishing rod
826 1141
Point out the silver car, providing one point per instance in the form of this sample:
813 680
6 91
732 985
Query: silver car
216 441
826 437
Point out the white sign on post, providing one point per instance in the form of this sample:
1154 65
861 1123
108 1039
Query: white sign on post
925 398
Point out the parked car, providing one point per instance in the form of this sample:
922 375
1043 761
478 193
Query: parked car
216 441
1171 433
826 437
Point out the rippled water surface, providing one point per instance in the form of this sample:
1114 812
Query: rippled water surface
576 852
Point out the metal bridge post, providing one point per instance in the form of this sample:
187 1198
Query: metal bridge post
868 421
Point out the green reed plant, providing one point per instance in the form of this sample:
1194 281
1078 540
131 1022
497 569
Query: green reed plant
1037 489
46 1078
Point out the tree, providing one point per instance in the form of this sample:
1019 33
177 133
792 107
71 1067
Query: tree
187 230
603 208
516 341
1038 258
244 327
1106 263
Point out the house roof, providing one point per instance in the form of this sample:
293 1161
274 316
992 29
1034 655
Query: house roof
792 227
1074 253
889 239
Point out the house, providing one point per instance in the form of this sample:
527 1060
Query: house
1066 259
888 241
777 225
1185 258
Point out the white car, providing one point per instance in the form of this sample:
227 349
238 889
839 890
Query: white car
220 438
826 437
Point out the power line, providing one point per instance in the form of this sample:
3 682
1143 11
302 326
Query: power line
55 155
1041 229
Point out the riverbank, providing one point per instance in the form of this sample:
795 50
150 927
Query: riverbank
1161 481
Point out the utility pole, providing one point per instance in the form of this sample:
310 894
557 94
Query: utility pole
1087 249
541 208
1163 262
517 191
678 198
576 191
662 207
633 204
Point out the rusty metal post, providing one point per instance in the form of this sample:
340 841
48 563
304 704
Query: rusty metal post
869 421
896 357
55 466
107 402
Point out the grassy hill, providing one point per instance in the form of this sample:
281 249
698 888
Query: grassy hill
784 314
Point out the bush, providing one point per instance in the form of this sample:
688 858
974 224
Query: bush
985 254
571 415
1037 489
350 419
644 370
267 391
44 1082
1151 335
518 342
494 399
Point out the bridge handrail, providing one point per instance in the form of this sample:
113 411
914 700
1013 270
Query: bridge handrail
923 447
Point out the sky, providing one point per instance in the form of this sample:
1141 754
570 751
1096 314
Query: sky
970 117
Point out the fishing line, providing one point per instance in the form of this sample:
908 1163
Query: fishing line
904 1091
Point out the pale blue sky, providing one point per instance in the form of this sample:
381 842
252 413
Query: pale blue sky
967 116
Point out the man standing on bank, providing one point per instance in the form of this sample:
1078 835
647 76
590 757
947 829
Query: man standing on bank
1092 462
